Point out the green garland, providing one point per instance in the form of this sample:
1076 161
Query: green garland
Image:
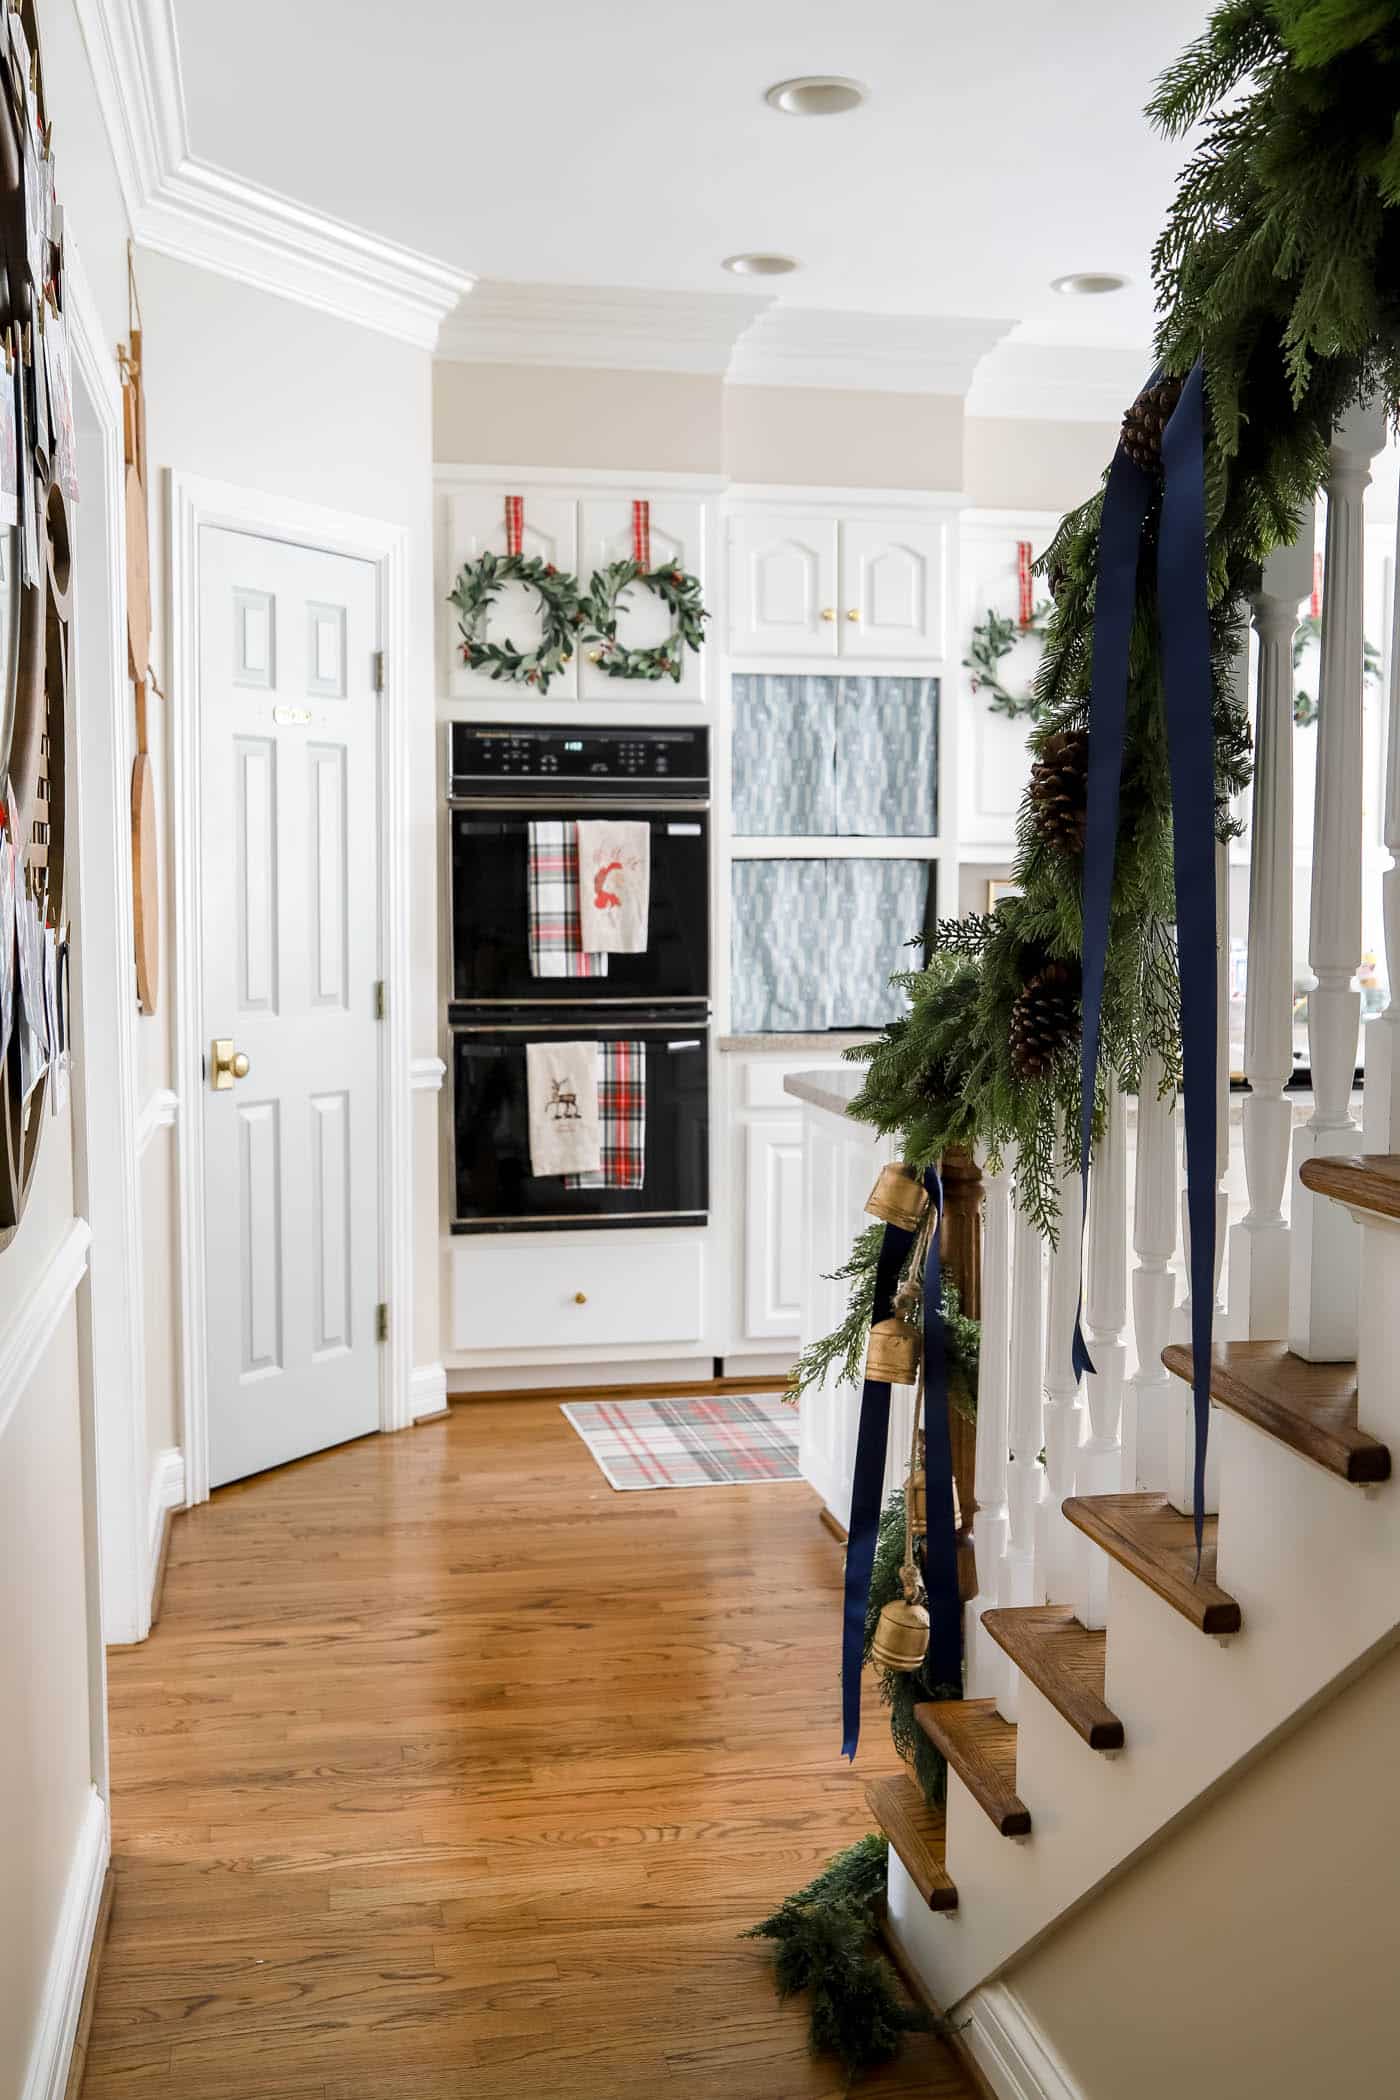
678 592
479 582
992 639
1280 267
825 1943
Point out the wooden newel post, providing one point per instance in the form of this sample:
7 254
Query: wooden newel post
960 1253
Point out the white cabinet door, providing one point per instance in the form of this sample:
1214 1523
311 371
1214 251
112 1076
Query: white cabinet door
476 523
677 532
783 584
773 1226
892 588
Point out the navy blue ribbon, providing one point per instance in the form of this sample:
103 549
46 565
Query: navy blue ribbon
1184 622
1125 506
943 1658
867 1487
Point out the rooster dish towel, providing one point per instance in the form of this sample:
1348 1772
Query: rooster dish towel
614 885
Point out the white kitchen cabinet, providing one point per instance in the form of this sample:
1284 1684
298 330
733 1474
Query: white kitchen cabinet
783 583
677 536
864 587
773 1236
476 525
516 1295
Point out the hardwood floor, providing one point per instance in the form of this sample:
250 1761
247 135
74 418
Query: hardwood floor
448 1768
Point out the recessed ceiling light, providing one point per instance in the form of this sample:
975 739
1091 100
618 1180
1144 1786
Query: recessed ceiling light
759 265
817 95
1088 284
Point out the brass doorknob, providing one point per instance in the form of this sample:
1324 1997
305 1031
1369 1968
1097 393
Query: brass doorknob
853 614
225 1064
580 1297
828 612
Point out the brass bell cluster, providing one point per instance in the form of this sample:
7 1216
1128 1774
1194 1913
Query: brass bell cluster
898 1198
901 1636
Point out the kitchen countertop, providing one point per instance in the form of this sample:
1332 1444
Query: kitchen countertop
834 1040
834 1091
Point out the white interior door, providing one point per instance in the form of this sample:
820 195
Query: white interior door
290 954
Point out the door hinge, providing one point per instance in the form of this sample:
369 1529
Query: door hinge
379 999
379 670
381 1323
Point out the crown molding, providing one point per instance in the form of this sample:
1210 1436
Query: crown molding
1058 382
185 207
599 327
876 353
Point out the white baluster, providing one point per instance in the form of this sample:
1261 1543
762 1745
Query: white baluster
1154 1286
1381 1120
1259 1246
989 1525
1099 1470
1064 1412
1025 1481
1181 1416
1324 1251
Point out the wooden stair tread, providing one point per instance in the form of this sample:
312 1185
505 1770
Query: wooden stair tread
917 1834
1369 1180
1144 1534
1309 1407
1063 1660
981 1748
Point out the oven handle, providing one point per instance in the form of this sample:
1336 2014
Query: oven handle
533 1028
556 802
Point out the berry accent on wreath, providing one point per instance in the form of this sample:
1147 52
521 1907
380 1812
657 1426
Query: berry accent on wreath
1145 422
1059 790
1044 1020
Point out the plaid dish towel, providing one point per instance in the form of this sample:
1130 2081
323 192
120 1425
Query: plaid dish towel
551 879
622 1119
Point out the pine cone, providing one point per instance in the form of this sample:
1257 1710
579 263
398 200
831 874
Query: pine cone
1044 1020
1059 790
1146 420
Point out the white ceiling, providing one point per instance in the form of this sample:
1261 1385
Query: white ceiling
593 142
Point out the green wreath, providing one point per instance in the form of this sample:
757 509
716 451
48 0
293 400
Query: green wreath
478 583
994 638
678 592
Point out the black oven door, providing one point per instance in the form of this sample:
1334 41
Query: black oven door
495 1189
490 933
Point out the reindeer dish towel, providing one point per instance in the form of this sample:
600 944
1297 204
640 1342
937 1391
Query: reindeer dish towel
614 885
562 1082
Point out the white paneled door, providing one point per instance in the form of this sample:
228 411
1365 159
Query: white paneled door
290 955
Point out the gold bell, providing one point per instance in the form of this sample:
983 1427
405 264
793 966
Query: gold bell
892 1354
898 1197
901 1636
917 1491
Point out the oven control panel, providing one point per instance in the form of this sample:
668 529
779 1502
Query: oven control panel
487 757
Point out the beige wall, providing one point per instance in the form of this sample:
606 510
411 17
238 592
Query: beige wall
1254 1956
825 436
552 416
1015 463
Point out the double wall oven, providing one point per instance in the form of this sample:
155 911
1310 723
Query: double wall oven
505 779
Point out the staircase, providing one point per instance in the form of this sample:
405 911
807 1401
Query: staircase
1113 1683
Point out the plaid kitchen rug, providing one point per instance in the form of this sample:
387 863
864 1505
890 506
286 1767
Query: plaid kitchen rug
703 1440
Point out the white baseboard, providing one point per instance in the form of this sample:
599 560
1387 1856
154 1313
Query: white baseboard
167 1493
57 2024
1009 2049
427 1391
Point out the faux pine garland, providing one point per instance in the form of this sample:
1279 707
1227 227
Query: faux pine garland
1279 267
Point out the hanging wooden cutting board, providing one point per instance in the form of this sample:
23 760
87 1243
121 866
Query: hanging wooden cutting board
145 877
138 578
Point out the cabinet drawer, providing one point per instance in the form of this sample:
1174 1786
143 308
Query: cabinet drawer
609 1294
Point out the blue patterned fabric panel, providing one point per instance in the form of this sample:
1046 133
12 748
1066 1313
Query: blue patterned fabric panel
873 908
783 756
815 942
780 933
887 758
828 757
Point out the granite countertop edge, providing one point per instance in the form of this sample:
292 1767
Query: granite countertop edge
833 1091
800 1045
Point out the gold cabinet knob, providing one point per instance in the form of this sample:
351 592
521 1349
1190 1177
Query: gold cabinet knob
853 614
580 1297
226 1064
828 612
